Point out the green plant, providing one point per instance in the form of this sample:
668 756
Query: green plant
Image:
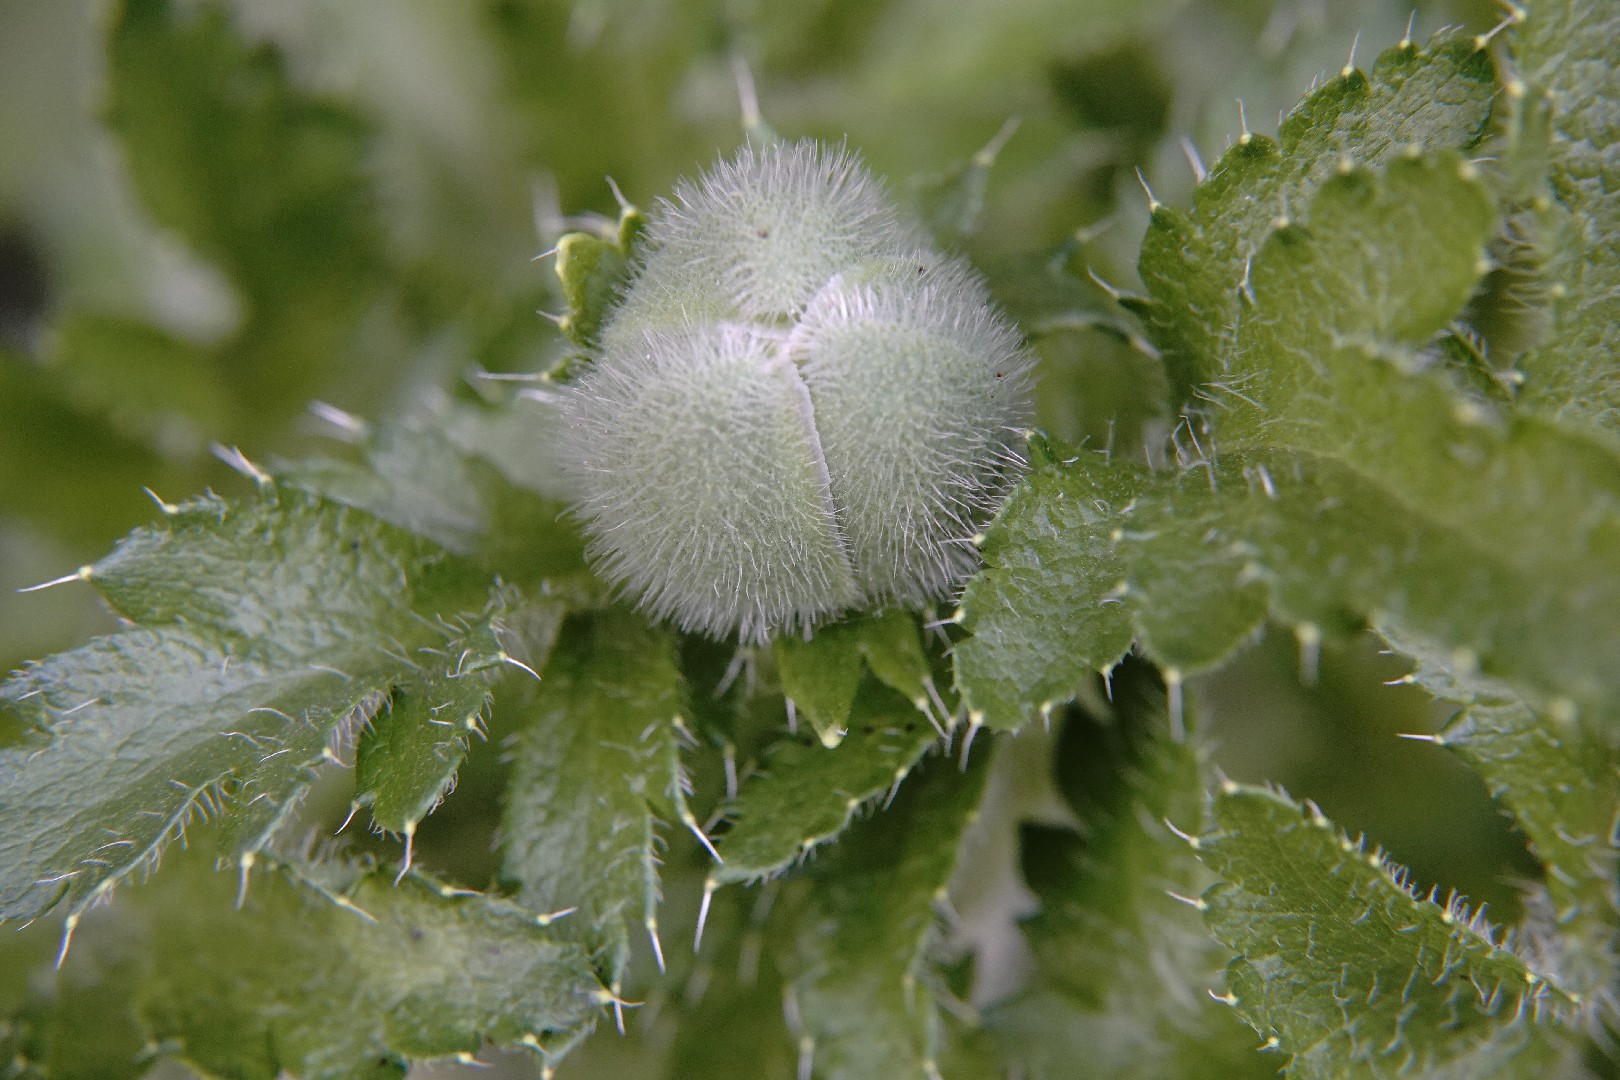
1369 387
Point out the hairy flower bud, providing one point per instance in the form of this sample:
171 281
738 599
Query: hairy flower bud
799 407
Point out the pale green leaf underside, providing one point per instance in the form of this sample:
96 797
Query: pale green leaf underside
1341 965
595 771
1566 50
806 793
263 631
465 478
862 987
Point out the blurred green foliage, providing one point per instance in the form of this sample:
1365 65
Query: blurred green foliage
216 212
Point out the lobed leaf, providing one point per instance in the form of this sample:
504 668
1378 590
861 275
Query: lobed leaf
593 772
1194 264
1555 774
806 794
1565 49
263 632
862 988
1342 967
406 758
1347 480
1041 613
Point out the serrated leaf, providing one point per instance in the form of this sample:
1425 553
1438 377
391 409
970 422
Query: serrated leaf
821 675
1123 964
862 987
1345 968
1556 775
1436 97
263 630
328 971
593 774
806 794
1034 645
406 758
1566 50
1344 481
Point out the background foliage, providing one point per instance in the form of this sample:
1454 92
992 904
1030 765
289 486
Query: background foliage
1329 455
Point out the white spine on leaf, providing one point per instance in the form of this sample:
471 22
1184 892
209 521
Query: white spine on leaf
798 408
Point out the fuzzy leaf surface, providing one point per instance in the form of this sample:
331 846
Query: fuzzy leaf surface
1566 51
435 477
262 629
594 773
864 991
1342 965
406 758
806 794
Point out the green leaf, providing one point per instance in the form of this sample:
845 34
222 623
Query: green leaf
406 758
1122 963
263 632
1556 775
1341 966
328 971
1347 480
821 675
1565 49
593 773
863 988
1041 614
1436 97
806 794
